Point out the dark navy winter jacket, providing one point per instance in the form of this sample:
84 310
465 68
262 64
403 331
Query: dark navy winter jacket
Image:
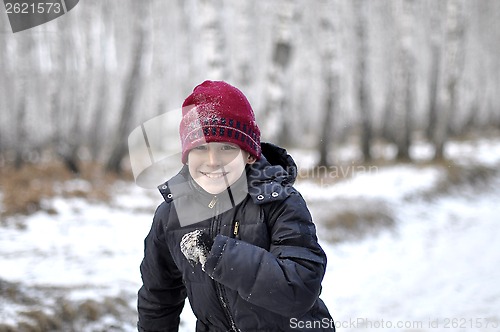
264 271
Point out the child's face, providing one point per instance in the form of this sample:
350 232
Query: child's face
215 166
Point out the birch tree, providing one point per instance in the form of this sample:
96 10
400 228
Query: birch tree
453 62
330 75
63 92
102 33
57 116
363 89
435 69
132 89
213 38
21 97
6 93
244 32
488 76
188 32
402 91
276 103
78 94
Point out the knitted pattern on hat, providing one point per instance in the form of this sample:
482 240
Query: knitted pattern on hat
218 112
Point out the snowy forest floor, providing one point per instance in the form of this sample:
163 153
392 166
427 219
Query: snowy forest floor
411 247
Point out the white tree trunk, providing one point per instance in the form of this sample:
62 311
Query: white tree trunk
132 90
245 28
453 63
330 53
24 75
404 78
435 31
104 41
212 38
276 108
364 91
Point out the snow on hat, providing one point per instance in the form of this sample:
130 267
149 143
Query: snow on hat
218 112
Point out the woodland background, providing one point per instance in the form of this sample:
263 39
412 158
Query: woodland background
406 90
318 73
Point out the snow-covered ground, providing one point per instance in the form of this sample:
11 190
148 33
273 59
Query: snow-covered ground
439 262
437 268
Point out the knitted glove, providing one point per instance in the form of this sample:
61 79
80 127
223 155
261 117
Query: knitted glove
196 246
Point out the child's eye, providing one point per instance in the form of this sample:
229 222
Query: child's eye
201 147
228 147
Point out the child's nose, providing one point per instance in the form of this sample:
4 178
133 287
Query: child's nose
213 157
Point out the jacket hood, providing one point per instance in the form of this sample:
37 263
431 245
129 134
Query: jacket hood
278 157
275 165
272 176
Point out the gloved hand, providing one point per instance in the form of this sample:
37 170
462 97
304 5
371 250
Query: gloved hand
196 246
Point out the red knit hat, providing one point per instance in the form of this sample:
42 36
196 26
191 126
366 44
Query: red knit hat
218 112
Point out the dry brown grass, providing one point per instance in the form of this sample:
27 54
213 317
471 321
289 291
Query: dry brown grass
459 179
68 316
40 321
352 219
25 189
59 314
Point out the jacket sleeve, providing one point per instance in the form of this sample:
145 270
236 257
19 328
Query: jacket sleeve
161 297
287 278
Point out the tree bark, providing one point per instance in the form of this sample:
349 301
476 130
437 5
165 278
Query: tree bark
435 68
212 35
364 98
453 63
132 90
326 137
21 96
244 73
276 127
330 76
404 80
104 37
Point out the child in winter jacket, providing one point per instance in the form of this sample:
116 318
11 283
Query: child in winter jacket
233 234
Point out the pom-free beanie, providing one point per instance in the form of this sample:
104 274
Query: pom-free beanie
218 112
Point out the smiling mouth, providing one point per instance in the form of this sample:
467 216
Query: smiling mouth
217 175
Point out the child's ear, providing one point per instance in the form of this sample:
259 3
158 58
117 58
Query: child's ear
251 159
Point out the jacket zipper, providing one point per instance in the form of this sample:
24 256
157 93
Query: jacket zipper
221 293
223 301
212 202
236 228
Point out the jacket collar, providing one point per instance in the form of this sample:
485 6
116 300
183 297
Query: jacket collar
272 176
